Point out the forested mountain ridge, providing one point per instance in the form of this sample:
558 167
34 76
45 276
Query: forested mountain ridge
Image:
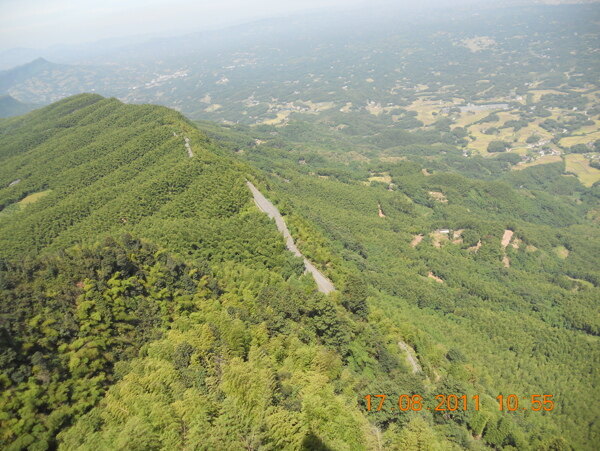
213 338
217 341
515 84
96 165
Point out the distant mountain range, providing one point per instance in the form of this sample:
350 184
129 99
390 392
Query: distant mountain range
20 74
41 81
251 72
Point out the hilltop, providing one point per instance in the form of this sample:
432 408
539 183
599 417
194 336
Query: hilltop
20 74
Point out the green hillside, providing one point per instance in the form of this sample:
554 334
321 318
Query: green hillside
520 309
110 168
214 338
146 303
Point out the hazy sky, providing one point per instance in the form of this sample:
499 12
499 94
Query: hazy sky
41 23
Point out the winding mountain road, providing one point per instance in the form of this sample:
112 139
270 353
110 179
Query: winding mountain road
323 283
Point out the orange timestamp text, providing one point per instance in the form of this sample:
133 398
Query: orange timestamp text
416 403
453 403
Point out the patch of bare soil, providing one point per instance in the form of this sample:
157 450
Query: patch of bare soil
476 247
456 236
437 238
434 277
506 238
416 240
438 196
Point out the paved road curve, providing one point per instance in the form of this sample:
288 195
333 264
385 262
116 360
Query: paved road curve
323 283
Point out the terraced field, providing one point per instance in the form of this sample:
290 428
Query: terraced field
580 166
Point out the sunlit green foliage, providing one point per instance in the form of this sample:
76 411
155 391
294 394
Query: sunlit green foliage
214 338
483 328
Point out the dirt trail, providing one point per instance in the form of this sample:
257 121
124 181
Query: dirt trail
411 357
323 283
188 147
508 234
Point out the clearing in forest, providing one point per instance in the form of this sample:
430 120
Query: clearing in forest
561 252
506 238
384 178
416 240
32 198
213 108
579 165
434 277
476 247
457 236
546 159
438 196
478 43
437 238
17 206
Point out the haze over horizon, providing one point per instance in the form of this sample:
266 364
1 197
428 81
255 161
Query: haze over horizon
40 24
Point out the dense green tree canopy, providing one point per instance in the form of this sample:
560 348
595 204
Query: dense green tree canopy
146 302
